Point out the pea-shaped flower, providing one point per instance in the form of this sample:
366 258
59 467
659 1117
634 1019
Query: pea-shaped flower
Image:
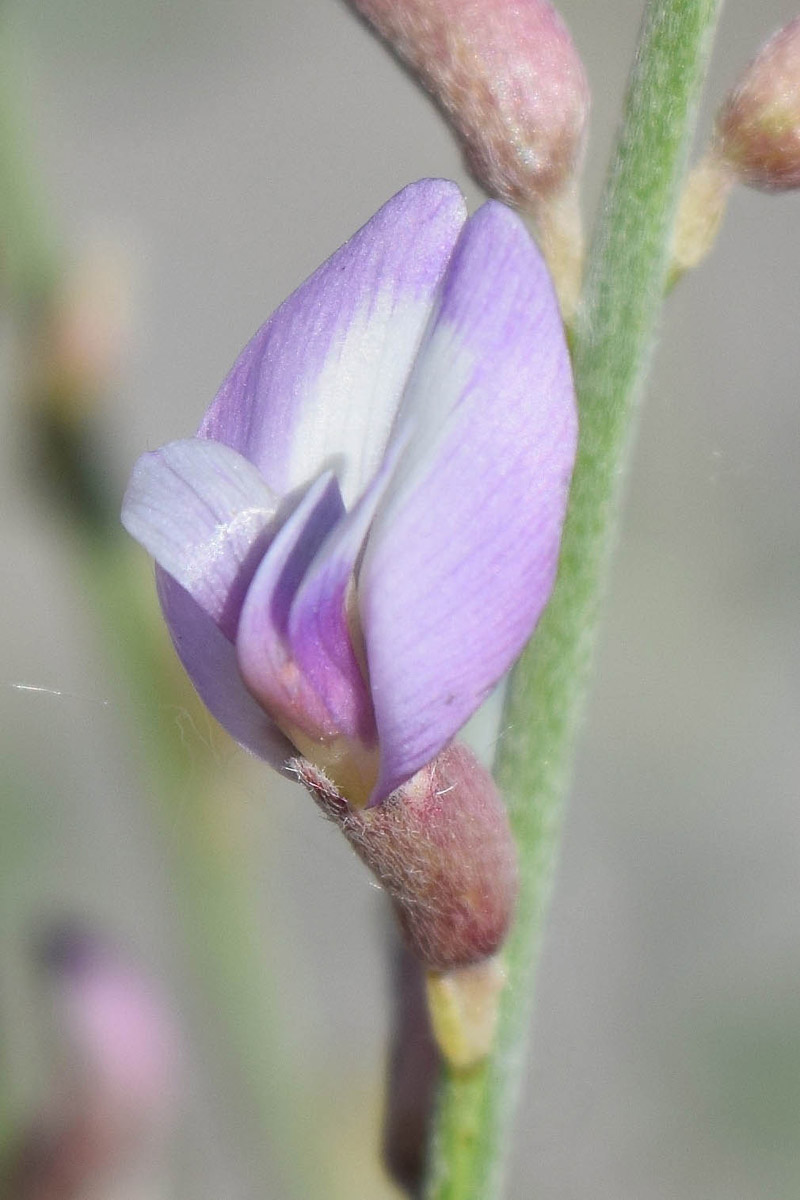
362 535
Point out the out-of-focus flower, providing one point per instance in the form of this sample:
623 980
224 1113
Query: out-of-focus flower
88 328
118 1088
73 342
758 125
364 532
122 1040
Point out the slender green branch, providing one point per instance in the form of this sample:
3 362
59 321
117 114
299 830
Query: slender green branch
613 338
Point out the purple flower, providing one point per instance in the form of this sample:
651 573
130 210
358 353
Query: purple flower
362 535
124 1044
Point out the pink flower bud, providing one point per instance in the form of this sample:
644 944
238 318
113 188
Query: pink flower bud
123 1042
509 79
442 848
118 1075
758 126
92 318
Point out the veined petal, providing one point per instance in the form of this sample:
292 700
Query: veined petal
205 514
264 653
319 385
323 632
463 552
210 662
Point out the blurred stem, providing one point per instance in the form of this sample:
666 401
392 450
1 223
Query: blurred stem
216 899
612 341
29 261
10 1116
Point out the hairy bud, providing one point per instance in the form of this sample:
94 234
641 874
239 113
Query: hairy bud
758 126
507 76
442 848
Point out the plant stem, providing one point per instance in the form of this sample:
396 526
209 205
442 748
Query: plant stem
612 341
29 259
216 900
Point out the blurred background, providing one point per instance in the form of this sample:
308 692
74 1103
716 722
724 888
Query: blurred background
199 159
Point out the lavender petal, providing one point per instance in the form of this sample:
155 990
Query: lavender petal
319 384
206 516
463 553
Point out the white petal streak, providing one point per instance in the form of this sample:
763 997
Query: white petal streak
318 386
352 403
462 554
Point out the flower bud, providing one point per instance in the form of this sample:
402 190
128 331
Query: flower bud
122 1041
758 126
81 332
508 78
412 1076
117 1075
442 848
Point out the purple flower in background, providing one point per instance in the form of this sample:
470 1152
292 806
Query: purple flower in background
124 1042
116 1083
362 535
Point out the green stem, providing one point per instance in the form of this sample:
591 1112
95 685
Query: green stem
215 898
29 259
613 338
